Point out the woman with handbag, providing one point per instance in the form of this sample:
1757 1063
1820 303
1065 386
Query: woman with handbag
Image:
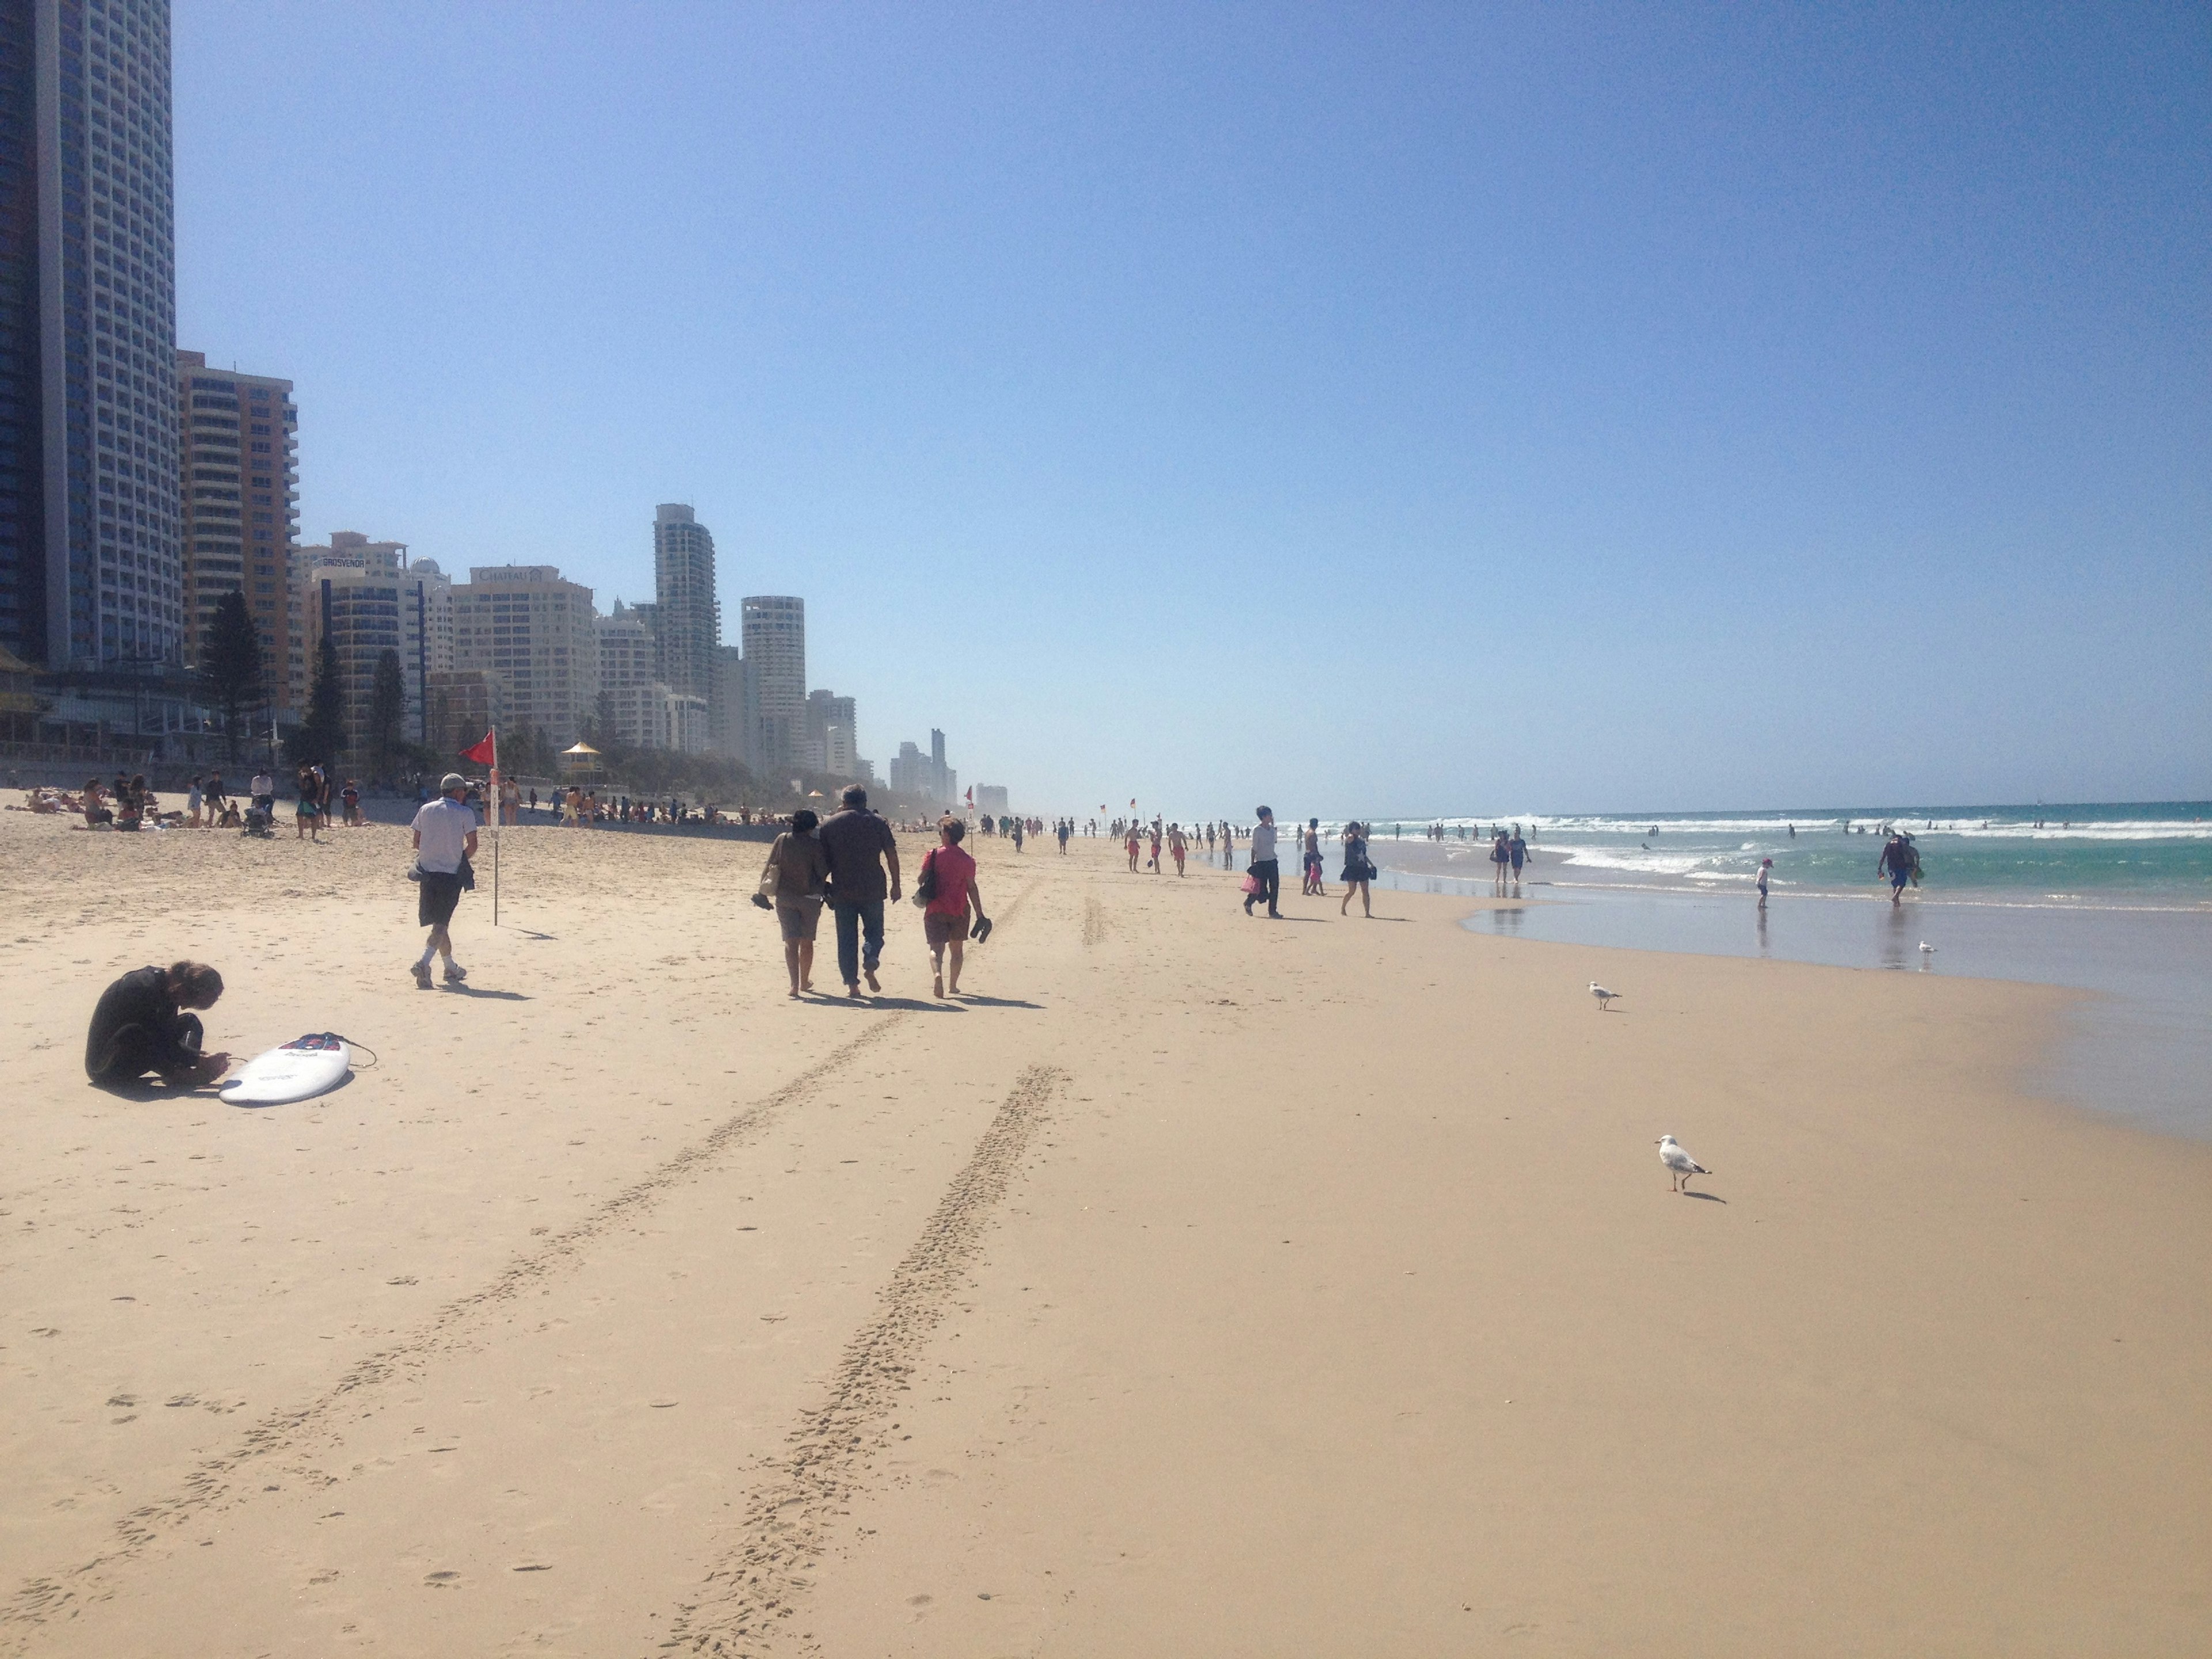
792 883
945 891
1357 872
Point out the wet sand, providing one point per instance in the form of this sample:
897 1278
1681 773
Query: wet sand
1201 1286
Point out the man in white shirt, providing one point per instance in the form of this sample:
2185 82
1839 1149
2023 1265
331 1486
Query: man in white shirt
1264 866
445 832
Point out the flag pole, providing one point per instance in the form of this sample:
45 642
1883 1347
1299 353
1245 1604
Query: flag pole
498 812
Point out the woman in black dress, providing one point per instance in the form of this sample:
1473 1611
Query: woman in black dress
1357 872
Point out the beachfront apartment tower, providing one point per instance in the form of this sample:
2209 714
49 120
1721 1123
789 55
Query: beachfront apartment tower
774 632
628 703
92 574
366 598
832 734
686 618
241 480
534 634
727 722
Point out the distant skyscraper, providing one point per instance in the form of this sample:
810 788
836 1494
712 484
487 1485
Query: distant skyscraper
240 480
91 567
775 634
727 720
833 734
686 619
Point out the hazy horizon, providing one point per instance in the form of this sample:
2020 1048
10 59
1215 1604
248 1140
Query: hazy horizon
1336 405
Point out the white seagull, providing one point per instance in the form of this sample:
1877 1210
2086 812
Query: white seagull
1926 948
1602 995
1679 1162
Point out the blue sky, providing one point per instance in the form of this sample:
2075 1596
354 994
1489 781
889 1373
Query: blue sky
1391 409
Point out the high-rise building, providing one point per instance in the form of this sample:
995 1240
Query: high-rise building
774 630
630 692
925 778
241 480
91 564
365 598
535 635
832 739
687 620
991 798
727 720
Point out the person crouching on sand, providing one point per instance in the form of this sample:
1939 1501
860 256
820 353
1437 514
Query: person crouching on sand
140 1025
445 832
948 875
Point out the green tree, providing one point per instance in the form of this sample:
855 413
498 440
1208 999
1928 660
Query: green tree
387 707
232 665
323 738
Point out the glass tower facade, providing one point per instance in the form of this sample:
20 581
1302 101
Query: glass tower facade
91 566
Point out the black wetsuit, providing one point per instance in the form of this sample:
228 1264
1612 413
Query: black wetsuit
137 1028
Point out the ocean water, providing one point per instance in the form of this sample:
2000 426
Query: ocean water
2154 854
2113 899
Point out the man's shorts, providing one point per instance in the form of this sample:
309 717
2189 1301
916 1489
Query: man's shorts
943 930
797 918
305 809
435 897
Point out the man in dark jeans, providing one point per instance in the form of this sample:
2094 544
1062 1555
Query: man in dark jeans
1265 867
856 840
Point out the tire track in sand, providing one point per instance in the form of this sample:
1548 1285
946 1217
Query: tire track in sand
453 1329
757 1585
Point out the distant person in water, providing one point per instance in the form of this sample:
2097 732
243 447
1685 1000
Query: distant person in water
141 1025
1898 861
1517 849
1765 870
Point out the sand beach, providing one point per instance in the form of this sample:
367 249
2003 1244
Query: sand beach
1198 1285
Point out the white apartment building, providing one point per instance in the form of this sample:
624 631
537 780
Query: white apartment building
536 635
774 632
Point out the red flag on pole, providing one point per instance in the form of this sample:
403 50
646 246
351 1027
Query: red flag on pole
971 794
485 753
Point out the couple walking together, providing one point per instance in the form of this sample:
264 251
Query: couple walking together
842 859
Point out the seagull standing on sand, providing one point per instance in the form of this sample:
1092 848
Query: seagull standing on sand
1680 1164
1602 995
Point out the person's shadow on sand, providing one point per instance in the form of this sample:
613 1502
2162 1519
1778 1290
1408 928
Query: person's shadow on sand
867 1005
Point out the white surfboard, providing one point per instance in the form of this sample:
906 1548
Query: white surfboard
304 1066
